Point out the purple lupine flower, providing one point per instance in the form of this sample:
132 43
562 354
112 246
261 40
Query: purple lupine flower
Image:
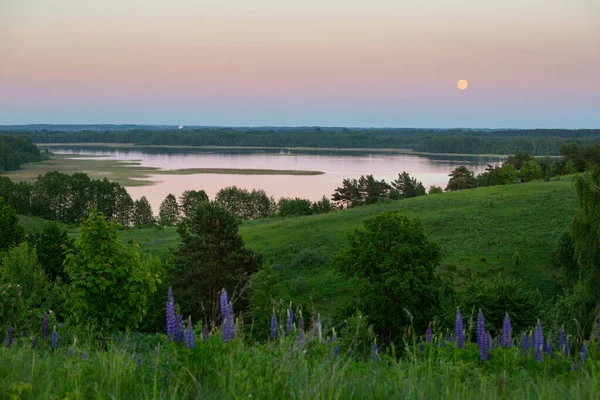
233 323
448 337
583 353
561 339
179 328
336 349
45 326
429 334
374 353
549 349
273 333
538 342
506 339
458 330
54 338
85 355
524 343
228 326
189 335
171 317
300 329
482 337
224 302
204 331
289 324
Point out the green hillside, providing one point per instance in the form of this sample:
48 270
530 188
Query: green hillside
509 229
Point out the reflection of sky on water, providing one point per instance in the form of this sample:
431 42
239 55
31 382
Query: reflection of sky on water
429 170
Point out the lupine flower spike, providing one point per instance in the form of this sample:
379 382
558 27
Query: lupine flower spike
171 318
429 334
482 337
336 349
289 324
374 353
54 338
224 303
45 326
549 349
459 330
538 342
273 333
189 335
300 329
506 339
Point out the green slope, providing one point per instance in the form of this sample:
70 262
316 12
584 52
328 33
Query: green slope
507 229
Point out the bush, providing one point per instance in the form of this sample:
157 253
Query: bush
298 285
308 259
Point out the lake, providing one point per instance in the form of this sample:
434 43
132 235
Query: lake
336 165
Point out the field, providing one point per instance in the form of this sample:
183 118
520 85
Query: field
503 229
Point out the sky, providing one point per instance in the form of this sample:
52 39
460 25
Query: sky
376 63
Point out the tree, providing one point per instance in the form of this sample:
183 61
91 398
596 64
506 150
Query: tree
109 283
51 243
394 266
508 174
142 213
168 214
20 266
408 187
234 200
211 256
189 200
289 207
348 195
11 232
530 170
517 160
371 190
322 206
461 178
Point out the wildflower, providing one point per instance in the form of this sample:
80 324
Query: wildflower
45 326
583 353
54 338
84 355
224 300
458 330
289 324
374 353
336 349
273 331
524 343
448 337
170 315
189 334
549 350
228 325
318 328
561 339
482 337
300 329
429 334
179 329
538 342
506 339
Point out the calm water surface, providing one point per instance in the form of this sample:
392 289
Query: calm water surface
431 170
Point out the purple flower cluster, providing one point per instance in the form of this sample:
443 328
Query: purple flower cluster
483 339
273 331
54 338
561 340
189 335
374 353
172 319
429 334
336 349
506 340
45 326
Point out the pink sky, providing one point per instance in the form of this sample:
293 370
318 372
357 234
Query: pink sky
529 63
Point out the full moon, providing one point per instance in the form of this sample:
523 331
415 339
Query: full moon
462 84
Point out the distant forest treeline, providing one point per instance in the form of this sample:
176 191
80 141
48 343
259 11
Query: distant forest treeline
17 150
462 141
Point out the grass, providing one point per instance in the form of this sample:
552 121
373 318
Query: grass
137 366
510 230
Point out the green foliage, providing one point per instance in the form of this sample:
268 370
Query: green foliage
289 207
563 257
189 200
244 204
211 256
408 187
11 233
142 213
530 170
495 297
435 189
20 266
395 266
265 294
17 150
168 214
461 178
519 159
12 306
51 242
109 283
355 192
357 337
